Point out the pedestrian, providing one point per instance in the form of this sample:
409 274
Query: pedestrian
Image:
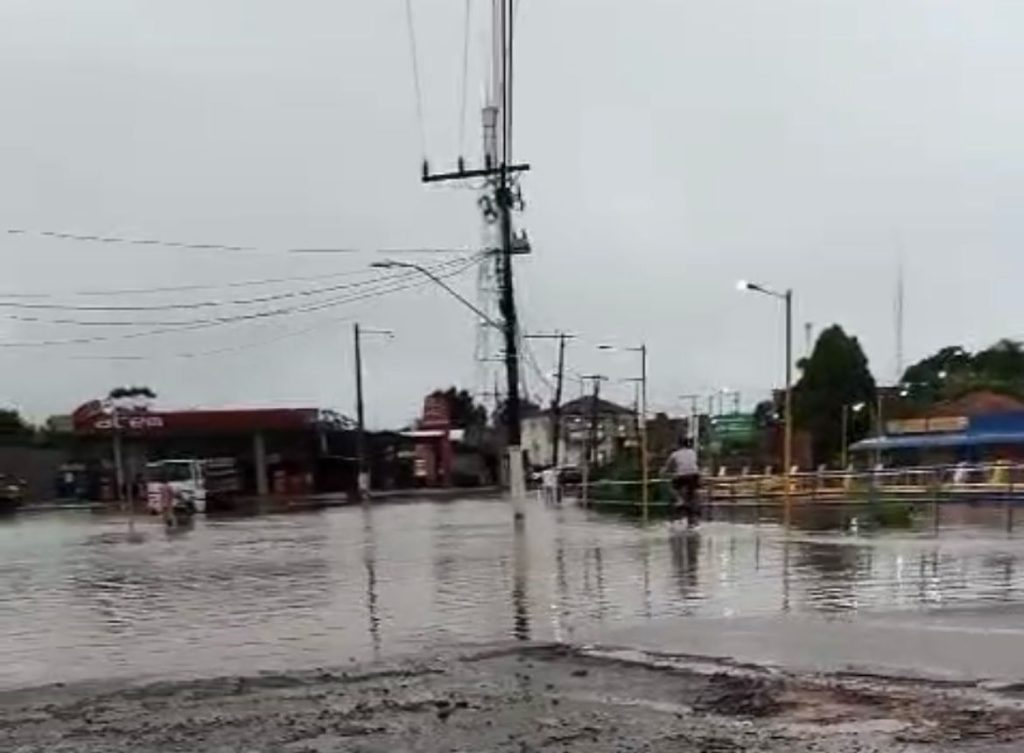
167 502
681 466
549 485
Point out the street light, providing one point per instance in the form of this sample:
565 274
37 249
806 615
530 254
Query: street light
393 264
847 409
517 482
787 299
644 472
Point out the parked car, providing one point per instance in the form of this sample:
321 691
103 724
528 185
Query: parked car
12 493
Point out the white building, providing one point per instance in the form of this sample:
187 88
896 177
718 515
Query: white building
616 427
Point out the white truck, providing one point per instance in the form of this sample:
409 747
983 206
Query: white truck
193 484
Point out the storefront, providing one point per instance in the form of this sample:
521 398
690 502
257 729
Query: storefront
947 440
277 450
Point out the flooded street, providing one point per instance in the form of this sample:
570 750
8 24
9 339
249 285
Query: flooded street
78 600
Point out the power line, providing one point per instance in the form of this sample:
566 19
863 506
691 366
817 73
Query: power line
104 292
181 245
465 78
416 76
214 322
20 305
113 240
332 321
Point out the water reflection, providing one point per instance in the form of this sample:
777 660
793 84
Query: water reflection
77 600
685 549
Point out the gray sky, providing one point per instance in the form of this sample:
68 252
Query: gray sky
677 146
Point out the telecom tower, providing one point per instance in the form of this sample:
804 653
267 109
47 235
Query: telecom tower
487 286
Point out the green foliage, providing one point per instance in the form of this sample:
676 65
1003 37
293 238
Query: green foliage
606 484
835 375
14 430
953 371
134 391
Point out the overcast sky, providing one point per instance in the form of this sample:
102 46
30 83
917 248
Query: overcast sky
676 147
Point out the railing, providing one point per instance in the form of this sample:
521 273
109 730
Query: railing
998 480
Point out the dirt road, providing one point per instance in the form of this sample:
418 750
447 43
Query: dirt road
517 699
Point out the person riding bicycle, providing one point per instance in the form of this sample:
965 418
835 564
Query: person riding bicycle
682 467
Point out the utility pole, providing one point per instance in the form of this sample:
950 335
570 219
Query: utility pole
362 477
693 424
591 444
556 402
499 171
362 467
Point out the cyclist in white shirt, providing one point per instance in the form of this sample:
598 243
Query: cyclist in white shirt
682 467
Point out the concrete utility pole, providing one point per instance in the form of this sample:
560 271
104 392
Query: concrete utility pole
505 199
363 480
692 426
556 402
590 449
362 477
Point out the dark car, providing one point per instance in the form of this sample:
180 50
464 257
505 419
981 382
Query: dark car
12 493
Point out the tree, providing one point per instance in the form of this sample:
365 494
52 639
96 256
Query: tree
134 393
953 371
836 375
14 429
463 411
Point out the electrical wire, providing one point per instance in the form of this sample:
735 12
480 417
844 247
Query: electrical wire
306 308
209 320
181 245
105 292
205 324
308 292
465 78
332 321
416 76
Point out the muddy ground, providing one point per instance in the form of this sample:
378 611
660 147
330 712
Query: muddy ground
519 699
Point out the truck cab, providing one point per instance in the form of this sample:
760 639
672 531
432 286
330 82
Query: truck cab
185 479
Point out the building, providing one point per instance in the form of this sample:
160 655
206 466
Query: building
978 427
614 429
445 455
277 450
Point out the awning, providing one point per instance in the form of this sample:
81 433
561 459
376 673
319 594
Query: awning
932 441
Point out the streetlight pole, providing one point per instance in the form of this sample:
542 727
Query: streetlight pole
843 454
644 470
847 409
789 404
787 451
509 328
642 423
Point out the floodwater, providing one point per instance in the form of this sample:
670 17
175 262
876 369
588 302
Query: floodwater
79 600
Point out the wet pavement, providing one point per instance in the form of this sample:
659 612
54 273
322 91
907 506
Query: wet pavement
80 601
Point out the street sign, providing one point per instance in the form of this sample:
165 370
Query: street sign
735 428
